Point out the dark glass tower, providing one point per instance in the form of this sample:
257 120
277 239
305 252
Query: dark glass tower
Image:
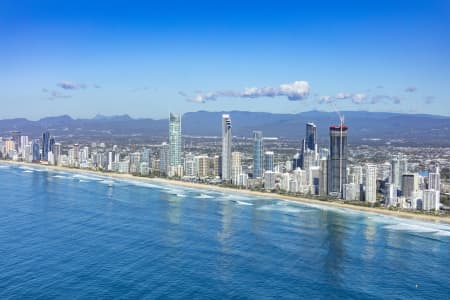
45 145
36 152
337 166
311 136
51 144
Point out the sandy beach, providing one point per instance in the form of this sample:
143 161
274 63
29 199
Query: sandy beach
375 210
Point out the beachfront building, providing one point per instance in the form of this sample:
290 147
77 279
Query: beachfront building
269 180
268 161
226 147
236 167
370 193
258 150
337 162
174 140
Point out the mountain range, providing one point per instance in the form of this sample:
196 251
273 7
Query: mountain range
364 127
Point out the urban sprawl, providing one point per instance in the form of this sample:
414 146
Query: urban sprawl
325 173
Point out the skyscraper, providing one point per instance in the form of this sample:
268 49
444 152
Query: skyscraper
268 161
323 176
164 159
236 167
36 152
226 147
16 138
45 145
409 185
57 153
311 136
258 150
174 140
371 183
337 174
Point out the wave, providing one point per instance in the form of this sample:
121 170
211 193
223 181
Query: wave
107 182
420 227
88 177
203 196
282 208
60 176
4 167
243 203
28 171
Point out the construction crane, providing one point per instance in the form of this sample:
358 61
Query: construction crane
341 116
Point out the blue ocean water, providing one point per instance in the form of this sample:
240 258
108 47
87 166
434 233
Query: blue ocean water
66 235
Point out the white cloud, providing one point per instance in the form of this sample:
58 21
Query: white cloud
295 91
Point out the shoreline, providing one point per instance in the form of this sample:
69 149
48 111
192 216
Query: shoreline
373 210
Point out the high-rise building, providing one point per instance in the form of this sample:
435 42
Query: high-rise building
311 136
174 139
189 166
202 165
371 183
23 143
57 153
45 145
226 147
16 138
337 165
216 166
268 161
258 150
135 161
434 180
164 159
36 151
399 167
236 167
147 156
269 180
323 176
409 185
76 153
390 194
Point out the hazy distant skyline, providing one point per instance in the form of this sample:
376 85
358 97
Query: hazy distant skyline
123 57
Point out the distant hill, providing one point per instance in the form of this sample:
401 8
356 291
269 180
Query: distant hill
365 127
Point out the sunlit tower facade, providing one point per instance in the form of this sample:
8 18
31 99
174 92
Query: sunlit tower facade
174 140
226 147
258 150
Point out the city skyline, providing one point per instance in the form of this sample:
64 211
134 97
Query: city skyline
63 58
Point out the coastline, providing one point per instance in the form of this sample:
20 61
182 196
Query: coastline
374 210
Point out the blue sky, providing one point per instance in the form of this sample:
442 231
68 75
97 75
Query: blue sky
146 59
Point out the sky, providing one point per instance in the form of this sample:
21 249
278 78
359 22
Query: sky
147 59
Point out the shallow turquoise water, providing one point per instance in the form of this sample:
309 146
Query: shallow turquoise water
65 235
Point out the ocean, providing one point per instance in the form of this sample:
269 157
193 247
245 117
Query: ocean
75 236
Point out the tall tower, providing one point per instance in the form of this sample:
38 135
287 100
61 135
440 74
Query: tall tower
337 174
16 138
268 161
57 152
311 136
174 140
163 158
371 183
236 167
258 150
35 150
45 145
226 147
